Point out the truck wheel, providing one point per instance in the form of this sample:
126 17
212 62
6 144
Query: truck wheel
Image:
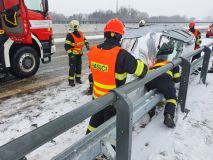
207 36
25 62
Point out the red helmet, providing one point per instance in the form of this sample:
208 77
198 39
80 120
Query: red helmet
191 24
114 25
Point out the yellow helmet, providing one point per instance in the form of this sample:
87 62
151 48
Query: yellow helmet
74 25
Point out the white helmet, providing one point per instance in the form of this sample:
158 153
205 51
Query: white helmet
142 23
74 25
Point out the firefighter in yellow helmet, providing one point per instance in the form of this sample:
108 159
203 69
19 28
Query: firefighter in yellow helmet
165 84
110 64
74 44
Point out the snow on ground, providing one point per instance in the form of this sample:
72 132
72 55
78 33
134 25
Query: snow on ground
192 139
36 109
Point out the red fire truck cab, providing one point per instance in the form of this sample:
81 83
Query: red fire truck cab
30 36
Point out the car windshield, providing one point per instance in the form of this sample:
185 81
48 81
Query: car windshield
178 47
35 5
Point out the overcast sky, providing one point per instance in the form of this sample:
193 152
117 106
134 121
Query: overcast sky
189 8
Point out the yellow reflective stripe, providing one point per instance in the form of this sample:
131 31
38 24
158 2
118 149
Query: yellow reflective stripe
171 101
13 23
70 78
70 43
91 129
159 64
177 75
198 41
99 92
69 51
170 73
78 75
104 86
80 43
140 67
120 76
2 31
94 96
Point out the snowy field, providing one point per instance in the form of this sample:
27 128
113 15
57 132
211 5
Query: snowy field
192 139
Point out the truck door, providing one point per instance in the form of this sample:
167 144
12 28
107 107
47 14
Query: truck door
13 18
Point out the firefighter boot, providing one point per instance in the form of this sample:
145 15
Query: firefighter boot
89 91
78 80
71 83
169 120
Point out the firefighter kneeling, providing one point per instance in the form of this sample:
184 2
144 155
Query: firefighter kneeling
165 84
73 45
109 64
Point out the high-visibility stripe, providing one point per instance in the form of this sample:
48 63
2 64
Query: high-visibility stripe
70 43
70 78
80 43
98 91
140 67
94 96
160 64
13 23
177 75
78 75
170 73
69 51
171 101
120 76
91 129
2 31
104 86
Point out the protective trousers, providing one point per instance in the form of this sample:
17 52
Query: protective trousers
75 62
100 117
166 87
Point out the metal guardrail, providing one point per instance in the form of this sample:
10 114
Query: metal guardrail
127 113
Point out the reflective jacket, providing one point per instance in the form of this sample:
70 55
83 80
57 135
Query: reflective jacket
174 73
197 35
102 64
74 42
124 63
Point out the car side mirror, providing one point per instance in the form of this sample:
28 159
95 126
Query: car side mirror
46 7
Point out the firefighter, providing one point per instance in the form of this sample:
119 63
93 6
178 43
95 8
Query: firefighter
74 43
109 64
142 23
197 35
165 84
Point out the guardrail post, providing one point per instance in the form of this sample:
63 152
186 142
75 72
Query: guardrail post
205 65
124 113
184 81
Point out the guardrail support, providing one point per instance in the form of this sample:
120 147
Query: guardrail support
124 113
184 81
204 70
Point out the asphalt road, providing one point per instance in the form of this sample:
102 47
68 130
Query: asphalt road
50 73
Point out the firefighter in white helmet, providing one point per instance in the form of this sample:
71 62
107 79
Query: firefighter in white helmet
142 23
74 44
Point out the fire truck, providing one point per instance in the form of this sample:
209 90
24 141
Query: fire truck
30 36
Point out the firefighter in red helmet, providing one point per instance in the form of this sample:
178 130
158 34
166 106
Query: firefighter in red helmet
110 64
197 35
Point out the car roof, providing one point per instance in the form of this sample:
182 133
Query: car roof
173 31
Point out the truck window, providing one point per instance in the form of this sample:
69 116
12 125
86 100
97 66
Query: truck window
34 5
